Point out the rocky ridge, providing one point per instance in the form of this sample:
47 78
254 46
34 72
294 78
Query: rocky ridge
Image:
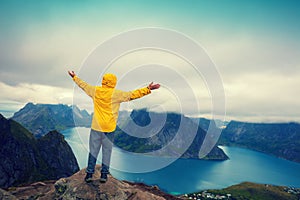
74 188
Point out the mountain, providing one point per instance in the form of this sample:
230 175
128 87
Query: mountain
168 135
278 139
42 118
25 159
74 187
248 190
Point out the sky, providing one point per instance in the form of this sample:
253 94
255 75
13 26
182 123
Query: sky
254 45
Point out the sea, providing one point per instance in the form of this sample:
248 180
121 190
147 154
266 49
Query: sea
181 176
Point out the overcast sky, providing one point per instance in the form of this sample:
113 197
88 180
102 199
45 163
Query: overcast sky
255 46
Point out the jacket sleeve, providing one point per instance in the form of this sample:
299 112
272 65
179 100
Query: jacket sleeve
88 89
139 93
122 96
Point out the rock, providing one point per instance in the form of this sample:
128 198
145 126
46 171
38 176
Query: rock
74 188
38 184
32 191
4 195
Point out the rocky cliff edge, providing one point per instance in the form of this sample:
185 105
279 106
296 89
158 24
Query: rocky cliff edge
74 187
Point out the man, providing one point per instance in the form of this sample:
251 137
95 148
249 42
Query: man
107 102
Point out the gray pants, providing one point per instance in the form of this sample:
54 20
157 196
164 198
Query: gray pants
98 139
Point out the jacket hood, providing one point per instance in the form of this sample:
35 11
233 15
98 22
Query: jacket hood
109 80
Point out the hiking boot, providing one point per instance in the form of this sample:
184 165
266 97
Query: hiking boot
103 178
88 177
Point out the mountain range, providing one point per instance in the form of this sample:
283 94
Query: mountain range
175 139
42 118
278 139
25 159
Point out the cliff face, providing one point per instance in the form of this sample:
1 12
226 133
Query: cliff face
281 140
24 159
42 118
74 187
58 155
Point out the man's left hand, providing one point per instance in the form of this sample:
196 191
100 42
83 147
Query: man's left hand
153 86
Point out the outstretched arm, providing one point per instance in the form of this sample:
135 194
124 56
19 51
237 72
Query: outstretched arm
135 94
143 91
88 89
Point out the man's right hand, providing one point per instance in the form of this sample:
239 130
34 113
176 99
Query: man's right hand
72 73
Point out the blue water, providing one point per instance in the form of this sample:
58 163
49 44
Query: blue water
190 175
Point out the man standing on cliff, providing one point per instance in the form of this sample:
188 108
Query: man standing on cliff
107 102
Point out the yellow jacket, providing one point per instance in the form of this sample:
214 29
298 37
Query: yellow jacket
107 101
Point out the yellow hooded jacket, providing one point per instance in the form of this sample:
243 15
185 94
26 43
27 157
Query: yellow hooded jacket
107 101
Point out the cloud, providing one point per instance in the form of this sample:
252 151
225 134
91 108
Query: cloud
258 97
42 56
260 66
259 54
257 88
26 92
